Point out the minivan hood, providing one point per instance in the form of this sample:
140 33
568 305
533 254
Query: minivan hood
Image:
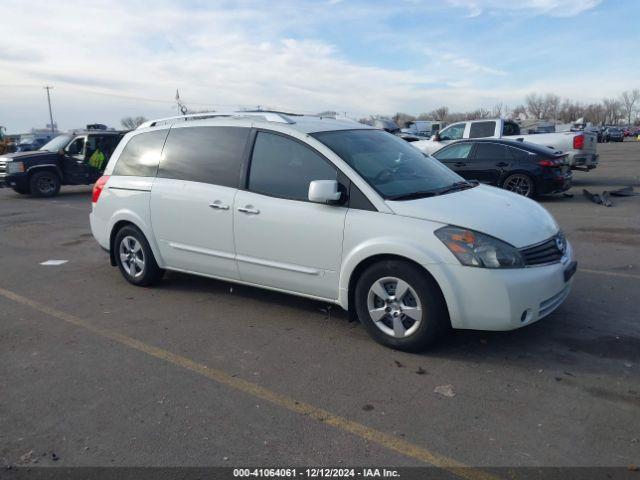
507 216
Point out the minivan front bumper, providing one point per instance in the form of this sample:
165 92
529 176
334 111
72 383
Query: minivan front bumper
504 299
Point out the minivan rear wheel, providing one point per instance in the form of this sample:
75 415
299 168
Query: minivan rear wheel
400 305
135 258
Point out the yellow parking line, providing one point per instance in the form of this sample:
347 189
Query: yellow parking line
372 435
609 274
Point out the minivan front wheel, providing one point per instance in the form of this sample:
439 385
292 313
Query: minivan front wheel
135 258
400 305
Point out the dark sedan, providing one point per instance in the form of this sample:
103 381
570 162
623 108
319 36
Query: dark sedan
521 167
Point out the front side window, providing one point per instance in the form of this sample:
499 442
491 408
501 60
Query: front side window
456 151
204 154
390 165
453 132
282 167
482 129
76 147
141 155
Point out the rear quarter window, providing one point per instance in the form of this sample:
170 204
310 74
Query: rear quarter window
204 154
141 155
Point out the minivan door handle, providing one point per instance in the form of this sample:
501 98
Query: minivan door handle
249 209
218 205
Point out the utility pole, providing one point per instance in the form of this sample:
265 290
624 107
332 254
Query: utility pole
47 88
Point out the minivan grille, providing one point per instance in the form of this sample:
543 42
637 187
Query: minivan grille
545 252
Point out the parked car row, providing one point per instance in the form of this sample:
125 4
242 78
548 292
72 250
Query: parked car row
346 214
612 133
580 147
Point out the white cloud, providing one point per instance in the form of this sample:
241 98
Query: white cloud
553 8
110 59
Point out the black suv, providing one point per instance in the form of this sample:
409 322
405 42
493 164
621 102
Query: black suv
78 158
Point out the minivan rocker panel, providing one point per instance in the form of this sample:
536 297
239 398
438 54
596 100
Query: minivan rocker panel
410 247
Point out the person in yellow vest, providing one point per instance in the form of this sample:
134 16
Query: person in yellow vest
97 158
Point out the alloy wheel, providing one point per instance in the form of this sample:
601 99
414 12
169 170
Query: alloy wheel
132 256
394 307
520 184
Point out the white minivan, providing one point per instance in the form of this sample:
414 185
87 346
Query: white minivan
331 210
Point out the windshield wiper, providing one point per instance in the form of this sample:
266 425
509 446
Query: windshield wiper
463 185
414 195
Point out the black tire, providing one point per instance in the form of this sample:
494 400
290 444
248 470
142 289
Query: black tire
433 317
142 276
21 191
531 189
44 184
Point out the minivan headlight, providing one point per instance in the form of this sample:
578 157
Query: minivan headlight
476 249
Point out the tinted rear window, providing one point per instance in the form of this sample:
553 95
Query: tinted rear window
482 129
204 154
490 151
141 155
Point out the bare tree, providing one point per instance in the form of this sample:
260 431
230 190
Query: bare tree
551 105
628 100
440 113
518 110
499 109
570 111
535 105
402 119
613 110
131 123
595 113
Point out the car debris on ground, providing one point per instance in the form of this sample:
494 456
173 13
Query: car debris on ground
604 197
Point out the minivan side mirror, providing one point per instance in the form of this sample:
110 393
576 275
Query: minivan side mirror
324 191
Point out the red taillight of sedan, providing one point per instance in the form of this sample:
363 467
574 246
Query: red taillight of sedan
98 187
551 162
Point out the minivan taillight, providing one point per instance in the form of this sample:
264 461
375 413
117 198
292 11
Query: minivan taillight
578 142
98 187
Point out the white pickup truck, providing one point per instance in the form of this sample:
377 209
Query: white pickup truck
579 146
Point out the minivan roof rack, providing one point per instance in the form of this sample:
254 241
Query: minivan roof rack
268 116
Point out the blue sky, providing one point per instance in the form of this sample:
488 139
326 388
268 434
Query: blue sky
110 59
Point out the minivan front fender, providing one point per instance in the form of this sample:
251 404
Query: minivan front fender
381 247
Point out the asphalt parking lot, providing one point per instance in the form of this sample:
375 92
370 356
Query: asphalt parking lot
197 372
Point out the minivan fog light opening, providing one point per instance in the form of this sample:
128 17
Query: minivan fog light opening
475 249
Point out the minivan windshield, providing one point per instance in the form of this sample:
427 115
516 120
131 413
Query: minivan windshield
57 143
390 165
